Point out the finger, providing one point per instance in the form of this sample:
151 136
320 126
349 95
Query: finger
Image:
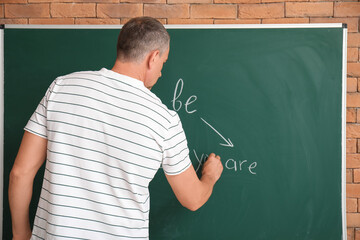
212 155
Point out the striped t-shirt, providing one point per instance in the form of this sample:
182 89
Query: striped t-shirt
107 137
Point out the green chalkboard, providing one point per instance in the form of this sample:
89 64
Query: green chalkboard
267 99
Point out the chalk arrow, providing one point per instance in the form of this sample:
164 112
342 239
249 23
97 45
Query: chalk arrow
228 141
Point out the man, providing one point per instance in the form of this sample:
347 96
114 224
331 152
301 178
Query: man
104 135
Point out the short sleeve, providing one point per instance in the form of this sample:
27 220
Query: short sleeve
176 152
38 121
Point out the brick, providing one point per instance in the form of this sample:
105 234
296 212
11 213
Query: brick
352 23
352 54
356 173
354 40
237 21
162 20
95 21
224 11
350 233
351 115
268 10
167 11
13 1
352 84
27 11
309 9
351 145
73 10
125 20
357 116
142 1
122 10
349 176
277 1
237 1
353 69
2 14
353 160
353 190
357 234
73 1
351 204
190 21
14 21
51 21
347 9
188 1
332 0
353 131
353 100
285 20
353 219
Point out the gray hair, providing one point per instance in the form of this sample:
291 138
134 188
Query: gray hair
139 36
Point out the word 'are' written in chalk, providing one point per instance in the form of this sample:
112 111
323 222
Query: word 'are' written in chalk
230 164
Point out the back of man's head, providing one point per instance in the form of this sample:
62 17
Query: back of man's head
139 36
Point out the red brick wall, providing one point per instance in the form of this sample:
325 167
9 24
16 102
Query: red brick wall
222 12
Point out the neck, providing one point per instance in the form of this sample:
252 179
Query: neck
130 69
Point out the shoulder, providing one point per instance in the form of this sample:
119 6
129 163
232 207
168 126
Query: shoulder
80 74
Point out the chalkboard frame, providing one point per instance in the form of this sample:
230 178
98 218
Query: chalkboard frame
219 26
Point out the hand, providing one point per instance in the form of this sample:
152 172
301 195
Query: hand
212 168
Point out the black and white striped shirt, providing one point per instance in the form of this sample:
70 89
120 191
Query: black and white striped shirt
107 137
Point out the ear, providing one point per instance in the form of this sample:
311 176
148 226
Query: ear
152 57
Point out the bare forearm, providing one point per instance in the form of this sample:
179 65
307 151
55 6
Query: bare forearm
193 192
210 174
20 192
204 191
31 155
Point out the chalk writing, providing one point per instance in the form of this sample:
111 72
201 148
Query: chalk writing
177 104
200 160
231 164
228 141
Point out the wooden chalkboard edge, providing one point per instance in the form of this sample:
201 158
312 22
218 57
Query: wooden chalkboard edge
182 26
256 26
46 26
344 26
1 126
343 140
